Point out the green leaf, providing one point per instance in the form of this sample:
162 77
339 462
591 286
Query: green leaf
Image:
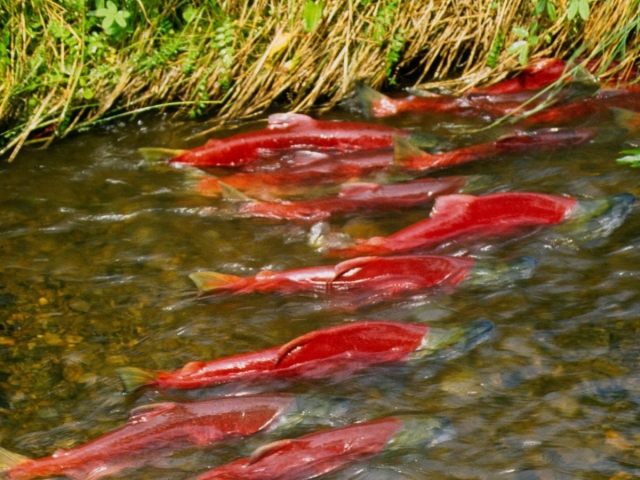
632 158
523 58
517 46
189 13
583 9
521 32
540 7
572 10
551 11
533 40
311 14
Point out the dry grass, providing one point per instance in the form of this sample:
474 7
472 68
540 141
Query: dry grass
61 72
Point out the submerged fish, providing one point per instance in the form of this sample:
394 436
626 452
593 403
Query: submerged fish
368 280
163 427
413 159
455 217
319 453
289 131
329 352
353 197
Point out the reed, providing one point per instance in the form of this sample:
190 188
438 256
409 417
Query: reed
68 65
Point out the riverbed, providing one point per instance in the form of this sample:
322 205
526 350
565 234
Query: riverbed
96 245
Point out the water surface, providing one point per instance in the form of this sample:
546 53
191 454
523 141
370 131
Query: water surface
96 246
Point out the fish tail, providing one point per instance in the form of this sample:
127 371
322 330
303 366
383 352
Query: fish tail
153 154
10 459
626 118
368 98
133 378
209 281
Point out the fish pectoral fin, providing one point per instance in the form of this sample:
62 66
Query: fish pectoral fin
208 281
231 193
10 459
268 449
155 154
144 413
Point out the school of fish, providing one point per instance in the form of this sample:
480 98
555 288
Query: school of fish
309 171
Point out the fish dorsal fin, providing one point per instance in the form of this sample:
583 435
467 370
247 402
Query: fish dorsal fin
403 150
288 120
9 459
231 193
154 154
212 141
268 449
449 204
368 97
147 412
348 265
208 281
357 187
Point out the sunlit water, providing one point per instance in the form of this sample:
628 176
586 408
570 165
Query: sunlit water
96 246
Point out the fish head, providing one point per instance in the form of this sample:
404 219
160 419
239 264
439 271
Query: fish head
453 342
421 430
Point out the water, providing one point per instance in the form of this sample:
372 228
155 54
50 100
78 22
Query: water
96 247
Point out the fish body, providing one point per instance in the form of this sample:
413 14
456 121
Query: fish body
456 216
328 352
326 451
355 197
587 108
538 74
520 142
289 131
375 276
160 426
329 169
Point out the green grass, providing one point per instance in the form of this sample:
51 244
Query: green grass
68 65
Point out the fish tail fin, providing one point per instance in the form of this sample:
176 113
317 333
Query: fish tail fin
626 118
231 193
133 378
153 154
404 150
368 97
10 459
209 281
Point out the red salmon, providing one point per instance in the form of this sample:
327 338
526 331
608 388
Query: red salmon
319 453
150 428
455 216
353 197
289 131
334 351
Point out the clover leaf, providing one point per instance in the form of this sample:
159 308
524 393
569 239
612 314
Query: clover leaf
114 21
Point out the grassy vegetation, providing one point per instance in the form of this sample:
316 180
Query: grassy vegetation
67 65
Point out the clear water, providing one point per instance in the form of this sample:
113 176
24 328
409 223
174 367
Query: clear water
96 246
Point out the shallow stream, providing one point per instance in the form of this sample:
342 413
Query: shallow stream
96 245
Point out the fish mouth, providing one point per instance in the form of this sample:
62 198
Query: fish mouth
448 343
595 219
